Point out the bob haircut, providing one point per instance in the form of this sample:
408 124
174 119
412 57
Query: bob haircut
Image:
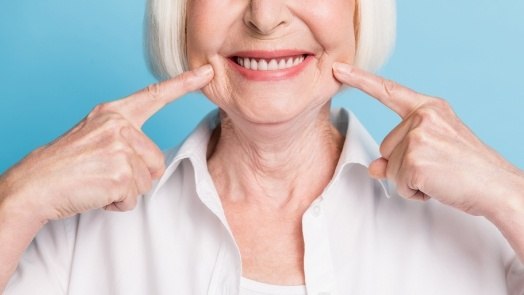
166 42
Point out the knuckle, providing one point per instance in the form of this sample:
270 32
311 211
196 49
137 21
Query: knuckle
94 112
129 203
404 191
412 161
185 81
98 108
121 178
441 103
125 204
417 138
417 180
426 116
105 135
155 91
390 86
445 108
114 124
121 152
111 141
106 107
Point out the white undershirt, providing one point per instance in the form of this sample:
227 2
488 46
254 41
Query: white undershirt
250 287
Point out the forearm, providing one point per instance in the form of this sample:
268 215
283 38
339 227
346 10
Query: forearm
18 226
509 218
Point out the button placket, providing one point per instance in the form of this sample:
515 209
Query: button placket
318 268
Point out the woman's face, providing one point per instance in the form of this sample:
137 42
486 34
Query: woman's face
290 46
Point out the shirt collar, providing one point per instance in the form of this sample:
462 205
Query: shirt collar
194 149
359 148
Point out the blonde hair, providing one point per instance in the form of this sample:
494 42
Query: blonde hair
166 46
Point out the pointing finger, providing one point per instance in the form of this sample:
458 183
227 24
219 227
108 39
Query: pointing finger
398 98
140 106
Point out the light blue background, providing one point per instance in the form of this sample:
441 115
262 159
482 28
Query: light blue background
59 58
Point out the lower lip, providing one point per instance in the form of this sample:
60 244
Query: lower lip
275 75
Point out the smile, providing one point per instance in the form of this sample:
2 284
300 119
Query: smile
270 65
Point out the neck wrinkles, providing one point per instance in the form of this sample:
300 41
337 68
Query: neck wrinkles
275 165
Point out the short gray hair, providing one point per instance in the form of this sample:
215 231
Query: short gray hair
166 42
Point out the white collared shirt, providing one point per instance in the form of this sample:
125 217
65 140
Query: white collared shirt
357 239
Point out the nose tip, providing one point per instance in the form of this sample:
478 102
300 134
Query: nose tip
266 16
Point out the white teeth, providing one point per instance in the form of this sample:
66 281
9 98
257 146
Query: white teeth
262 65
282 64
298 60
289 63
254 64
272 65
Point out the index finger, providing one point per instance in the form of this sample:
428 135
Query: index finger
398 98
140 106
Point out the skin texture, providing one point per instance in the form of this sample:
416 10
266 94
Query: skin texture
105 161
217 28
261 158
264 164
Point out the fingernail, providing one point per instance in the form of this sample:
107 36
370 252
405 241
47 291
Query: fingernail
204 71
342 68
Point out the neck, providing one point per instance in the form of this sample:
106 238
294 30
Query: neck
285 164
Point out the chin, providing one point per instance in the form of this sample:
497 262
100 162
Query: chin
272 101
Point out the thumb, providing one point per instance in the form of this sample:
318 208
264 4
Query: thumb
377 169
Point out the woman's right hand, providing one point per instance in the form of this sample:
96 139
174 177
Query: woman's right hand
105 161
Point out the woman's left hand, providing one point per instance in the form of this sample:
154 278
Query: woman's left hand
432 154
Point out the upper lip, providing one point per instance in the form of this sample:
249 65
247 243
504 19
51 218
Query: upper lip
270 54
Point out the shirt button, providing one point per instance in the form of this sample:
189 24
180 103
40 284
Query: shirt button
316 211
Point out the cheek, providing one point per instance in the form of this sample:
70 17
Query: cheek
336 37
199 42
205 35
219 90
206 31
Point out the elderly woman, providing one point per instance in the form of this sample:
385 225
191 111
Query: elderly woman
275 193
